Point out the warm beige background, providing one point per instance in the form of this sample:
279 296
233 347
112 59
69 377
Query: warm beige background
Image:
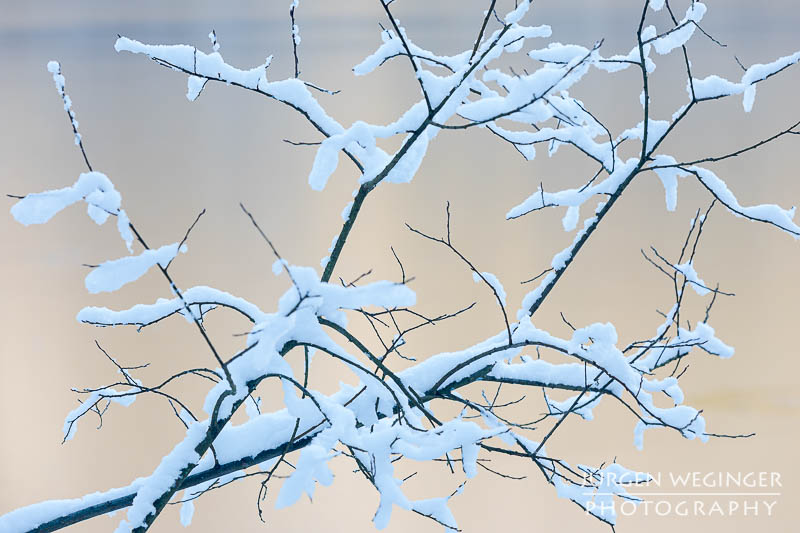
171 158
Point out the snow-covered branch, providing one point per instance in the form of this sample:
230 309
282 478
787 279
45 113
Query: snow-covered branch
392 413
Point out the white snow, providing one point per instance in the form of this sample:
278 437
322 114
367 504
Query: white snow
195 85
214 43
669 178
516 15
124 398
54 67
143 314
312 467
163 477
493 282
187 511
688 271
111 275
679 35
713 86
92 187
769 213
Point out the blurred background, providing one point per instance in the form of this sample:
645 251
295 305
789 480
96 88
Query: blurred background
171 158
